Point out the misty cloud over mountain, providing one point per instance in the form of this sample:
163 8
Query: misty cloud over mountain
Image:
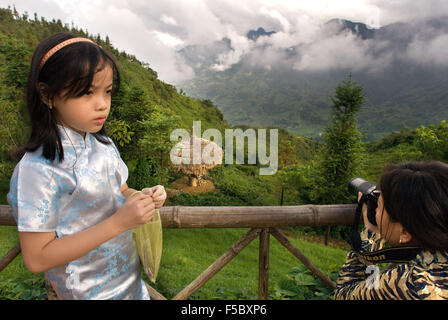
286 79
337 44
155 31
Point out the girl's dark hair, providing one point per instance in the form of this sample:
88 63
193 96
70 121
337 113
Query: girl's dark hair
72 68
415 194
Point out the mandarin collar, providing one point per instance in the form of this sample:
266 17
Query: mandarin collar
71 137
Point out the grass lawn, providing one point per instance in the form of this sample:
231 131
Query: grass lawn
8 239
187 252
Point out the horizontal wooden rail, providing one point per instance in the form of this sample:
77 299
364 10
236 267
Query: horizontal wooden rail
241 217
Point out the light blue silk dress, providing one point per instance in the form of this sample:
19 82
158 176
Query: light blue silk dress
71 196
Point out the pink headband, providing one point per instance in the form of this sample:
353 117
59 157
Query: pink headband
61 45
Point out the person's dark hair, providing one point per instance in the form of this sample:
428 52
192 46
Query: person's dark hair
415 194
72 68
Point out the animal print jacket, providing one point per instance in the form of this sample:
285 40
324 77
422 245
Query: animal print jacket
424 277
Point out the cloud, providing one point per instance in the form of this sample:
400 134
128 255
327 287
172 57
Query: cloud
409 10
240 47
46 8
154 31
276 15
429 52
344 51
168 39
168 20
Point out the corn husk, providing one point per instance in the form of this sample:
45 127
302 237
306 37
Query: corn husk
148 239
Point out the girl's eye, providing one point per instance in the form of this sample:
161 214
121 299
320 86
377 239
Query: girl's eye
109 91
89 92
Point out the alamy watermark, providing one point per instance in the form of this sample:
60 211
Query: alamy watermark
373 280
212 153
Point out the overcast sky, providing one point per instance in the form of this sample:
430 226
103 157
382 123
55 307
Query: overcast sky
154 30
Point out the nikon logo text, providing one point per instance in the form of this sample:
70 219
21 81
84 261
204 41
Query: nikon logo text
376 258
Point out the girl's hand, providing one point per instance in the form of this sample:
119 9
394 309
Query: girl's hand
158 195
136 211
367 224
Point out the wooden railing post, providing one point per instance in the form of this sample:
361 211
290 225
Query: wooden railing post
263 267
217 265
299 255
7 258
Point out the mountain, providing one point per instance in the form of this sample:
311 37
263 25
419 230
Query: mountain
359 29
255 34
400 66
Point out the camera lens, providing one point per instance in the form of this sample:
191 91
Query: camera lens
368 189
360 185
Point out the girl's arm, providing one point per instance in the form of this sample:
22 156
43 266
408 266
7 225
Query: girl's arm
126 191
41 251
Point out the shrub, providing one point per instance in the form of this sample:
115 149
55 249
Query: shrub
301 284
32 288
205 199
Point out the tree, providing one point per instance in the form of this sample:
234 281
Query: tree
120 131
155 143
339 155
286 154
14 71
432 141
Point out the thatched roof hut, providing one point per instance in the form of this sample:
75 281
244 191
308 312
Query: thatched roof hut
198 156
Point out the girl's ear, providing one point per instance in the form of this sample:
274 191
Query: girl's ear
44 93
405 237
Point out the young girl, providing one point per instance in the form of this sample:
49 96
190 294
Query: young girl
68 192
412 210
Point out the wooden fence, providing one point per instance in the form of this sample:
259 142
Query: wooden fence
262 221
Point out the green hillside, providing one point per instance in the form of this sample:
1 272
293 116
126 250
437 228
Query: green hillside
20 35
142 102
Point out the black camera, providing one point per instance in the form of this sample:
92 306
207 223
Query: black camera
370 195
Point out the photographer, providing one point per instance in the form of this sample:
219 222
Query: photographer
412 209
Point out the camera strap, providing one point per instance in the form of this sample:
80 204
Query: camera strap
355 238
399 254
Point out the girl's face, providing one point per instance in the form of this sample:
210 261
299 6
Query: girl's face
88 112
390 231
